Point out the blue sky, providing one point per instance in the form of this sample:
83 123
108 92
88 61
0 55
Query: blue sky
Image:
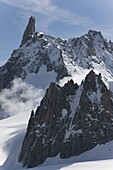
61 18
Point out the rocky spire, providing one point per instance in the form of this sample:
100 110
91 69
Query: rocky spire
30 30
69 121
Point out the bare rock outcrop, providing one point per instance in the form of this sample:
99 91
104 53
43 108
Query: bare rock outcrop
29 31
69 121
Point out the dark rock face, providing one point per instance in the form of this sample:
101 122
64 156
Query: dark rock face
29 31
49 117
70 87
11 70
69 121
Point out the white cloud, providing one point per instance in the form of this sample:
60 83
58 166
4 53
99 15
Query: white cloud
52 12
20 98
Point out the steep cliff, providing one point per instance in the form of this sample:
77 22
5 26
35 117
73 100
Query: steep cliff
69 121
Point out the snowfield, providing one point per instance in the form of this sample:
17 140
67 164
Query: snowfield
12 131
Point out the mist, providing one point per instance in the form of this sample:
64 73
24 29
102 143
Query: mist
20 98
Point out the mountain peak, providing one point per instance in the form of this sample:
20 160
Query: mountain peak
92 81
93 33
29 31
69 121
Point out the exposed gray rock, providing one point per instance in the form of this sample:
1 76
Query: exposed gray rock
48 119
69 124
70 87
29 31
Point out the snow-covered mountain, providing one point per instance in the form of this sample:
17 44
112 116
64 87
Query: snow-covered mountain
43 58
76 113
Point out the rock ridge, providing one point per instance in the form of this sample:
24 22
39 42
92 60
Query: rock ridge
69 121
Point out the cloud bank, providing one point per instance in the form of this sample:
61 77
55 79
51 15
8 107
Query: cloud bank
20 98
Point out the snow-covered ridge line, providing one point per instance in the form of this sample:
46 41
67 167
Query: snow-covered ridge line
65 59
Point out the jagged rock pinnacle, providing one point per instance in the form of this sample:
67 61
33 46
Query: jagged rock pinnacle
30 30
65 127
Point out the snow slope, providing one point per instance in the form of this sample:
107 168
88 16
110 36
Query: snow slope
12 131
